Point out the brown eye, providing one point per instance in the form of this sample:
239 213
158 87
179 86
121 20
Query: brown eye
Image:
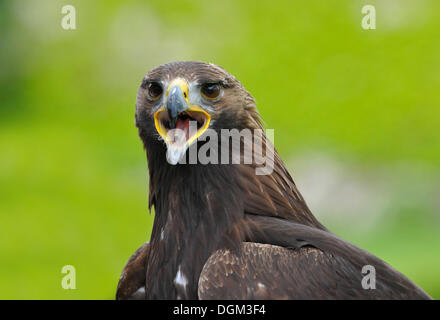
154 90
210 91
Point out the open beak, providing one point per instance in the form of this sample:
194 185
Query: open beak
178 122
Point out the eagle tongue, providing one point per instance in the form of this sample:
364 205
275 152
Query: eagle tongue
183 124
176 147
177 144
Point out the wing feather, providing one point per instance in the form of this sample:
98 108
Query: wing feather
286 260
131 284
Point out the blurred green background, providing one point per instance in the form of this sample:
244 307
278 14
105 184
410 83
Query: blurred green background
356 115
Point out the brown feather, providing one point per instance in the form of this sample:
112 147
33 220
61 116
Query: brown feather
300 262
133 276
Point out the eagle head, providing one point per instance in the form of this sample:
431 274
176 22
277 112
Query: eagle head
178 102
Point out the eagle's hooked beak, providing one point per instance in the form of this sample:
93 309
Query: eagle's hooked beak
178 122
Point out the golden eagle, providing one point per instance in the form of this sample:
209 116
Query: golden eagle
222 231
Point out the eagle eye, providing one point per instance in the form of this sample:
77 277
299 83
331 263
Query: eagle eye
210 91
154 90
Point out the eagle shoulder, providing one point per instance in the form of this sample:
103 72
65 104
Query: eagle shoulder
257 271
131 285
333 269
